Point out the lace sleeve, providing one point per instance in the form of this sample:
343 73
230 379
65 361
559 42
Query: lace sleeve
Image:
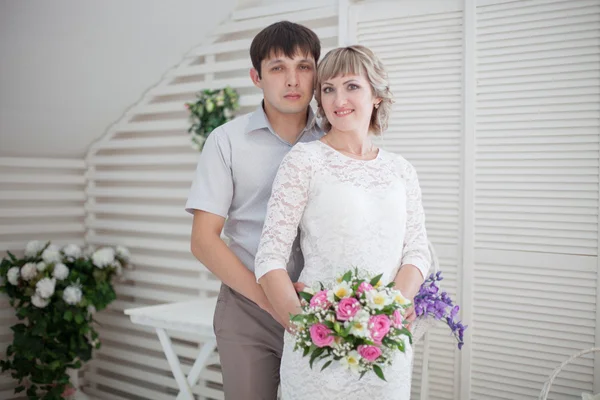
416 249
286 206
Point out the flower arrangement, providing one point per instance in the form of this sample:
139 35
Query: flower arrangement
430 302
211 109
357 322
55 293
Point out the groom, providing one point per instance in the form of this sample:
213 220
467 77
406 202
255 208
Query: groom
231 190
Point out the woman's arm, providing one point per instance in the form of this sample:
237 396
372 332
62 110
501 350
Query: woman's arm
286 206
416 257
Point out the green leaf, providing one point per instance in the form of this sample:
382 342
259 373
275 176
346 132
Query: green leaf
316 354
306 296
327 364
78 318
347 276
379 372
375 280
306 351
68 316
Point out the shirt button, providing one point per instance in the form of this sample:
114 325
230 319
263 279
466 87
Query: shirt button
297 248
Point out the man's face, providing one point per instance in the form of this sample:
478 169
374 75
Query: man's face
287 83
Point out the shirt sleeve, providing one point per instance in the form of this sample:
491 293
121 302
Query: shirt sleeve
212 187
289 197
416 245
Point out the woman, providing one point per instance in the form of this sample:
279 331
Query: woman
356 206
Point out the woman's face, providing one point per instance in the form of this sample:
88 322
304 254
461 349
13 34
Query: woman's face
348 102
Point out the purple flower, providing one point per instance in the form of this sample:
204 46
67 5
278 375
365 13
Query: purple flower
430 301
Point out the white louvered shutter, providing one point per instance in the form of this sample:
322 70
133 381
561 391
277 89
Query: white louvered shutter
536 197
139 177
420 44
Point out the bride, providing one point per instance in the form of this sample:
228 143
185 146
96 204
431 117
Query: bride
356 206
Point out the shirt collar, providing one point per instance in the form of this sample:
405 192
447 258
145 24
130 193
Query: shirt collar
259 120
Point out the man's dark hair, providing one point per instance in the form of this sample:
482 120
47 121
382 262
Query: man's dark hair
284 37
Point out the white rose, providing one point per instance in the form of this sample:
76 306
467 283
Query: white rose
72 251
45 287
41 266
72 295
91 310
33 248
51 255
89 250
13 276
29 271
118 268
104 257
60 271
123 253
38 301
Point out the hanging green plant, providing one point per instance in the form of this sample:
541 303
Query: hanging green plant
211 109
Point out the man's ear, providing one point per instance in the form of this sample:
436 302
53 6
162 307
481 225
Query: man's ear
255 78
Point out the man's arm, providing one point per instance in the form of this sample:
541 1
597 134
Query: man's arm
208 247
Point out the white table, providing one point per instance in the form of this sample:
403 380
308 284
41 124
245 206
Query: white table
194 316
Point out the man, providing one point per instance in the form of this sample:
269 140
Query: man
231 190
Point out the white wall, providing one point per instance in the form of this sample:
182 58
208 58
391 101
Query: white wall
68 69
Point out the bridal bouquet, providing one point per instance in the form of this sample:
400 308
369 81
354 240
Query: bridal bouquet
356 321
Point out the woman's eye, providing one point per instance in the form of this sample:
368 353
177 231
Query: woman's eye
327 90
353 86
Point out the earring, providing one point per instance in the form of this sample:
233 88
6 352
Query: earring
376 106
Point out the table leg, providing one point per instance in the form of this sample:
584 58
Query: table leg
207 349
167 345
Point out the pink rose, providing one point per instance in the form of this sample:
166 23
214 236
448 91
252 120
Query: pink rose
379 325
397 319
320 300
369 353
347 308
321 335
363 287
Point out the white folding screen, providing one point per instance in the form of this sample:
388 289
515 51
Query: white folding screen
139 176
498 108
40 199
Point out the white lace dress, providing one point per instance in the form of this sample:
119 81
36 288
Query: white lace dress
352 213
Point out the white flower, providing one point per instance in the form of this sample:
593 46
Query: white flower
72 295
38 301
359 324
123 253
51 255
60 271
228 113
351 361
118 267
104 257
41 266
377 300
341 290
45 287
29 271
89 250
72 251
399 298
91 309
13 276
33 248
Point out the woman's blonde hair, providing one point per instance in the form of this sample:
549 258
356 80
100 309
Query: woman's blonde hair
357 60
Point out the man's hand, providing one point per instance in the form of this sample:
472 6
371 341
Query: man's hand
299 286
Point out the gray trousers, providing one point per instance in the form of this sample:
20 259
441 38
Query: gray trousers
250 343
